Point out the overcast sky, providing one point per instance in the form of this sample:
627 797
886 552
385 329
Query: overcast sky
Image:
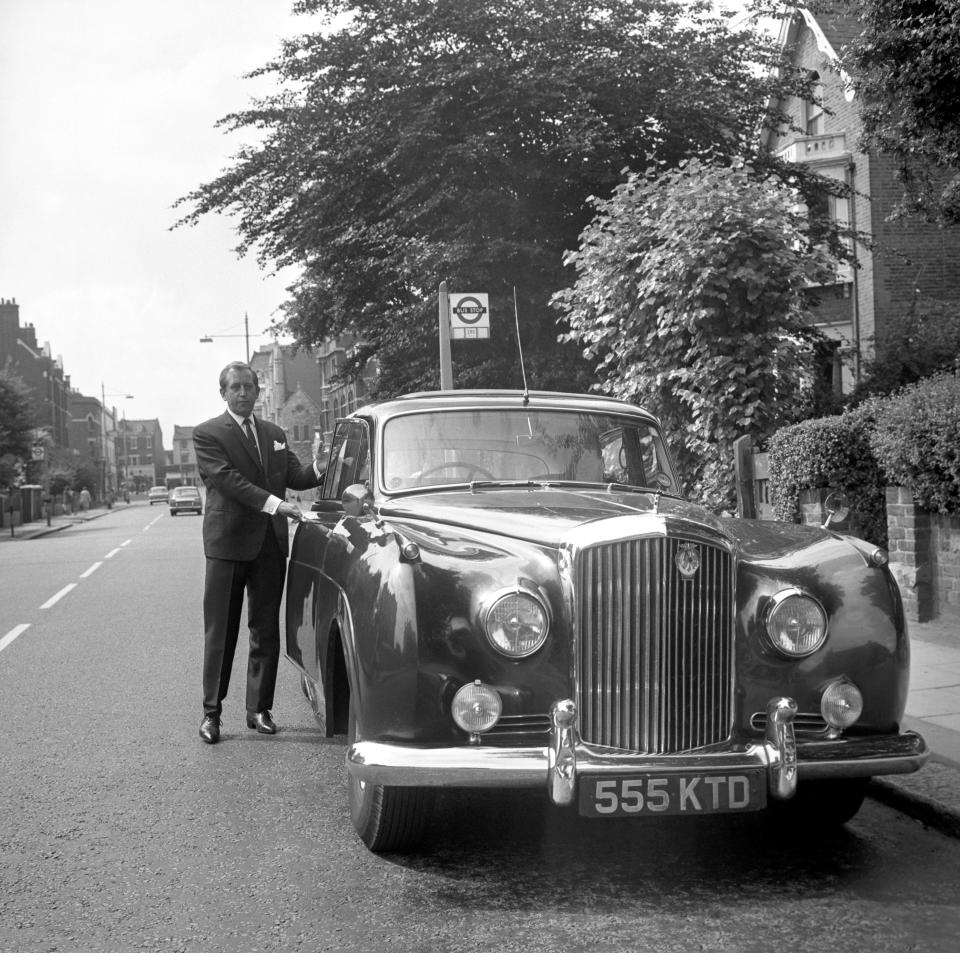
107 113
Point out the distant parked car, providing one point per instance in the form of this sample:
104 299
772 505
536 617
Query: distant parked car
157 494
185 499
507 590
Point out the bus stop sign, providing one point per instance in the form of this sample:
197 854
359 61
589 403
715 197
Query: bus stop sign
469 316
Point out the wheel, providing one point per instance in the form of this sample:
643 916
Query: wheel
472 469
822 804
387 818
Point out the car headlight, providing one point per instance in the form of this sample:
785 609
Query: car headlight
796 623
516 623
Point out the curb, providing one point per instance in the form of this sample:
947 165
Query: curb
900 792
26 531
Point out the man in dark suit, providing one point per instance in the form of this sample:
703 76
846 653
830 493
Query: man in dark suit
247 469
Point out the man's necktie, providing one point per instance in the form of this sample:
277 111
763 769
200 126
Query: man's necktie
248 430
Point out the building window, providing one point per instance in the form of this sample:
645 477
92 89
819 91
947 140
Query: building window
149 443
814 117
133 443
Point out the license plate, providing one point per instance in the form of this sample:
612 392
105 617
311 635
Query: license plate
673 794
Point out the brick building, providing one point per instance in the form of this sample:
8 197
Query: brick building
142 458
910 259
340 397
42 373
181 460
93 437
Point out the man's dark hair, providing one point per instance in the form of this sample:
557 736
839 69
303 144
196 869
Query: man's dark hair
237 366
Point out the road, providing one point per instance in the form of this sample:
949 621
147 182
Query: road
121 831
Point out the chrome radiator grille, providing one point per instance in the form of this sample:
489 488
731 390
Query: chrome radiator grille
655 650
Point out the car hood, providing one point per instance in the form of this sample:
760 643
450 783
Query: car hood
546 516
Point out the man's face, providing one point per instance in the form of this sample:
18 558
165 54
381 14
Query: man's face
241 392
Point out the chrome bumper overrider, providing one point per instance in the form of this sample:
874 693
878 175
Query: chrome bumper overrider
557 764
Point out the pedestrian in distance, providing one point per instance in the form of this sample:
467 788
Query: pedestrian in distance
85 500
246 467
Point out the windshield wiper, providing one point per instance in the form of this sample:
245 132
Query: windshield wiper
484 484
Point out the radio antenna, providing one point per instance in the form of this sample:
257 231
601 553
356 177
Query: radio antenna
523 370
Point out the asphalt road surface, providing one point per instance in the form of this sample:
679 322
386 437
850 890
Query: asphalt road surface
121 831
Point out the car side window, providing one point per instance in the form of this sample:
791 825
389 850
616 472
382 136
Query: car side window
348 458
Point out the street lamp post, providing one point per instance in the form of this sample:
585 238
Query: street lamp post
208 338
103 430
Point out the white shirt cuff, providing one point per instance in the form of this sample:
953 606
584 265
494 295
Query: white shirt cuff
272 504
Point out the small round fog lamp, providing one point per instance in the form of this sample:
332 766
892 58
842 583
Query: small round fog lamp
476 707
841 704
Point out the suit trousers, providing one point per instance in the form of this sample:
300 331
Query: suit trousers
226 580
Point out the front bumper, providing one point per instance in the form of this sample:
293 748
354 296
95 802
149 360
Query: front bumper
557 765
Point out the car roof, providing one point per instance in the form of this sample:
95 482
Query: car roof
515 399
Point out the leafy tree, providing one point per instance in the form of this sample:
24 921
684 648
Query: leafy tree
412 142
923 342
906 67
690 299
16 428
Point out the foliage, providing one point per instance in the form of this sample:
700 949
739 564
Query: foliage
906 69
16 428
834 452
917 441
86 473
459 140
690 300
921 343
59 480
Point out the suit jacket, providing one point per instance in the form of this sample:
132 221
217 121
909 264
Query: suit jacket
238 485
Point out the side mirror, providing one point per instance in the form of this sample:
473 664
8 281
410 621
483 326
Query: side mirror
837 507
357 500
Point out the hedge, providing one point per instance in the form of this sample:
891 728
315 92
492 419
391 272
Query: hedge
911 439
831 452
916 440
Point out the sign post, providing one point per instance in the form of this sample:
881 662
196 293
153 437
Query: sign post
462 317
446 367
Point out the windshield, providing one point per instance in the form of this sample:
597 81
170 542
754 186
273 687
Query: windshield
505 445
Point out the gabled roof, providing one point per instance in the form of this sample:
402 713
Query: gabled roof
832 31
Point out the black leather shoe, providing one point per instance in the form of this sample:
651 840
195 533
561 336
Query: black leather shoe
210 729
263 722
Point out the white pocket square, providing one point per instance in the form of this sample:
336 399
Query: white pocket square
277 445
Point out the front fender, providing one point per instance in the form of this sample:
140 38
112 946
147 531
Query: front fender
416 635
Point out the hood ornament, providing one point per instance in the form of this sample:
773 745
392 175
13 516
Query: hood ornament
687 560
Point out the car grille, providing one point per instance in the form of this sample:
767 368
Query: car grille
654 650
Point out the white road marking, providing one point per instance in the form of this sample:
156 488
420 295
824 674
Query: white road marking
12 634
111 554
53 600
91 570
126 543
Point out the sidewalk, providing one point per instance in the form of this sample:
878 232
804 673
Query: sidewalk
57 523
931 795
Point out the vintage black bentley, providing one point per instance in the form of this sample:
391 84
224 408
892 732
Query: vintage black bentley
505 590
